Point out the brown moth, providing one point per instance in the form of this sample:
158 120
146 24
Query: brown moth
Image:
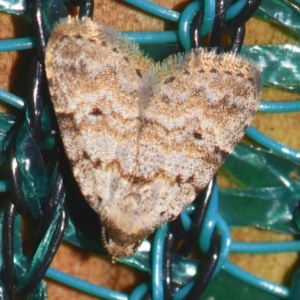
144 138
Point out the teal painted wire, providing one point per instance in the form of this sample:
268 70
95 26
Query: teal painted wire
234 9
209 16
84 286
184 19
273 145
212 216
270 247
150 37
153 37
139 292
279 107
209 12
225 243
155 9
157 262
275 289
212 219
182 292
208 20
4 186
185 220
265 285
18 44
184 24
12 99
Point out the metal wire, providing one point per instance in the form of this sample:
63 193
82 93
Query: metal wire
53 208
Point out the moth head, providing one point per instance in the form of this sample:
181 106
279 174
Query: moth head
115 250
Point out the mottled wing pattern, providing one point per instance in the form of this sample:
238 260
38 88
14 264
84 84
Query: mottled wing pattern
196 107
144 139
94 77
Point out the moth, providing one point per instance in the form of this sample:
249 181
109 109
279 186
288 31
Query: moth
144 138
